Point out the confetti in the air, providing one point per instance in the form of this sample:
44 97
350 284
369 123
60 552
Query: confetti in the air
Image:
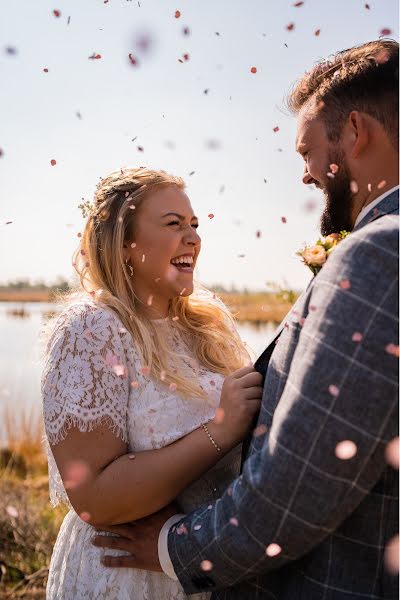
45 70
234 521
177 14
367 6
131 456
186 31
85 516
334 168
259 430
173 387
290 27
284 219
77 472
345 284
381 184
317 32
392 555
357 336
297 4
12 512
53 162
393 349
134 61
253 70
94 56
258 234
392 453
57 13
334 390
346 450
273 550
385 31
145 371
210 215
275 129
206 565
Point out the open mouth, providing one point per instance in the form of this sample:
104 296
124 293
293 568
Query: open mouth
183 263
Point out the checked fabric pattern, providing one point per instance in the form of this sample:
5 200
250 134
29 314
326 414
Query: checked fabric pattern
302 522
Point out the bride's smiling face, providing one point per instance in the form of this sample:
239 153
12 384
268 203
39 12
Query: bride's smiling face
164 246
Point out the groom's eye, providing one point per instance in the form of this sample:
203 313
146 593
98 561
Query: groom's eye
174 223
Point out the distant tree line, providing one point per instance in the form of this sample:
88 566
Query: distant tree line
60 284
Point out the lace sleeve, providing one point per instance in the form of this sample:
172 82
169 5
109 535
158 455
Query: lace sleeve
84 381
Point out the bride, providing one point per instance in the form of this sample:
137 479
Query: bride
146 395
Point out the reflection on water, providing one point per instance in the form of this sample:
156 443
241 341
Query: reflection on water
20 351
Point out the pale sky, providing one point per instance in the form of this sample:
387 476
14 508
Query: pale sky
225 135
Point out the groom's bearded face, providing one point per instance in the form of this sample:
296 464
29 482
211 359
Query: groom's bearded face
338 197
319 153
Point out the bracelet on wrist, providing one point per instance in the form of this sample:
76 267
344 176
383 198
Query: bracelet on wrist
210 437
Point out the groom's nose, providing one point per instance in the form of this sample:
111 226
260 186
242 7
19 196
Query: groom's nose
307 179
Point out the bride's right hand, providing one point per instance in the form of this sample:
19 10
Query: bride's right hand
240 401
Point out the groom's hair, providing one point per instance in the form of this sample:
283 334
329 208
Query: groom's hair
363 78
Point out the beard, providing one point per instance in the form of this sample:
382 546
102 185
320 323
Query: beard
338 198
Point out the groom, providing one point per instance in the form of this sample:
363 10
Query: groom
315 506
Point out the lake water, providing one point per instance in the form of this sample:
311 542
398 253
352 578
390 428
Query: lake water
20 348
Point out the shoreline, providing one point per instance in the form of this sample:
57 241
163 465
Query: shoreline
254 307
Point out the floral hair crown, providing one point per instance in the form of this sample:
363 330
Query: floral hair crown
88 208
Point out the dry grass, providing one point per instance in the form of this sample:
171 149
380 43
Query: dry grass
28 524
259 307
27 295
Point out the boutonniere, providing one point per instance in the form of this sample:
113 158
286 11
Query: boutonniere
314 257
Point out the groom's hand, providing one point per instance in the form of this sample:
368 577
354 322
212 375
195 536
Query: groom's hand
139 538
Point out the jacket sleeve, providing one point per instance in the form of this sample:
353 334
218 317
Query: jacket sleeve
325 449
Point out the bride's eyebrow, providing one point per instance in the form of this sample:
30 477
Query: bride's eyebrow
180 217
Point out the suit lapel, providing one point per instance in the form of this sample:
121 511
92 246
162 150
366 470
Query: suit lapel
388 206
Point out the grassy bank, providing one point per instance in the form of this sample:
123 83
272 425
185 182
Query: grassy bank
28 524
257 307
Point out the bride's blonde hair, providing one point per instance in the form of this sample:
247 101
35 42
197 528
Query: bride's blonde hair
201 317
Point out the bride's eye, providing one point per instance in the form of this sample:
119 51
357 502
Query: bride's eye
174 223
195 225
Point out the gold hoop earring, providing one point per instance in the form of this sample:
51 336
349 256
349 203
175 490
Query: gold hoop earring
129 267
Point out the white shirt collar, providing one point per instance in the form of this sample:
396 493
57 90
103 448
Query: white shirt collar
373 204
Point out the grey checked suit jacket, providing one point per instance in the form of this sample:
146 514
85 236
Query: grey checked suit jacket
332 518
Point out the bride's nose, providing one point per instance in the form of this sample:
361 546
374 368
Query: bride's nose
192 237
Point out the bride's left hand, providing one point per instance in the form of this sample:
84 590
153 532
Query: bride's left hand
139 538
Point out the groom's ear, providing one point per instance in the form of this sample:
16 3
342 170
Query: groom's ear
356 134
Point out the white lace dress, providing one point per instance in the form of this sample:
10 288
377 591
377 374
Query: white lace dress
92 372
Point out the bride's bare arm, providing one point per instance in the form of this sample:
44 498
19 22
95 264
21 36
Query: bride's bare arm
112 487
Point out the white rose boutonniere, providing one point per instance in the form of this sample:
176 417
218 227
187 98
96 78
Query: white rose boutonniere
314 257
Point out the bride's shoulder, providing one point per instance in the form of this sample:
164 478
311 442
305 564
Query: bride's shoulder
82 317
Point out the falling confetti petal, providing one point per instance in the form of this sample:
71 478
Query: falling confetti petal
145 371
283 219
392 555
131 456
211 216
45 70
135 385
258 233
317 32
367 6
357 336
53 162
186 31
273 550
346 450
234 521
85 516
334 168
345 284
353 187
253 70
197 527
57 13
177 14
219 416
175 318
260 430
385 31
392 453
150 300
120 370
134 61
297 4
275 129
12 512
381 184
393 350
290 27
206 565
133 245
173 387
77 472
369 187
334 390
